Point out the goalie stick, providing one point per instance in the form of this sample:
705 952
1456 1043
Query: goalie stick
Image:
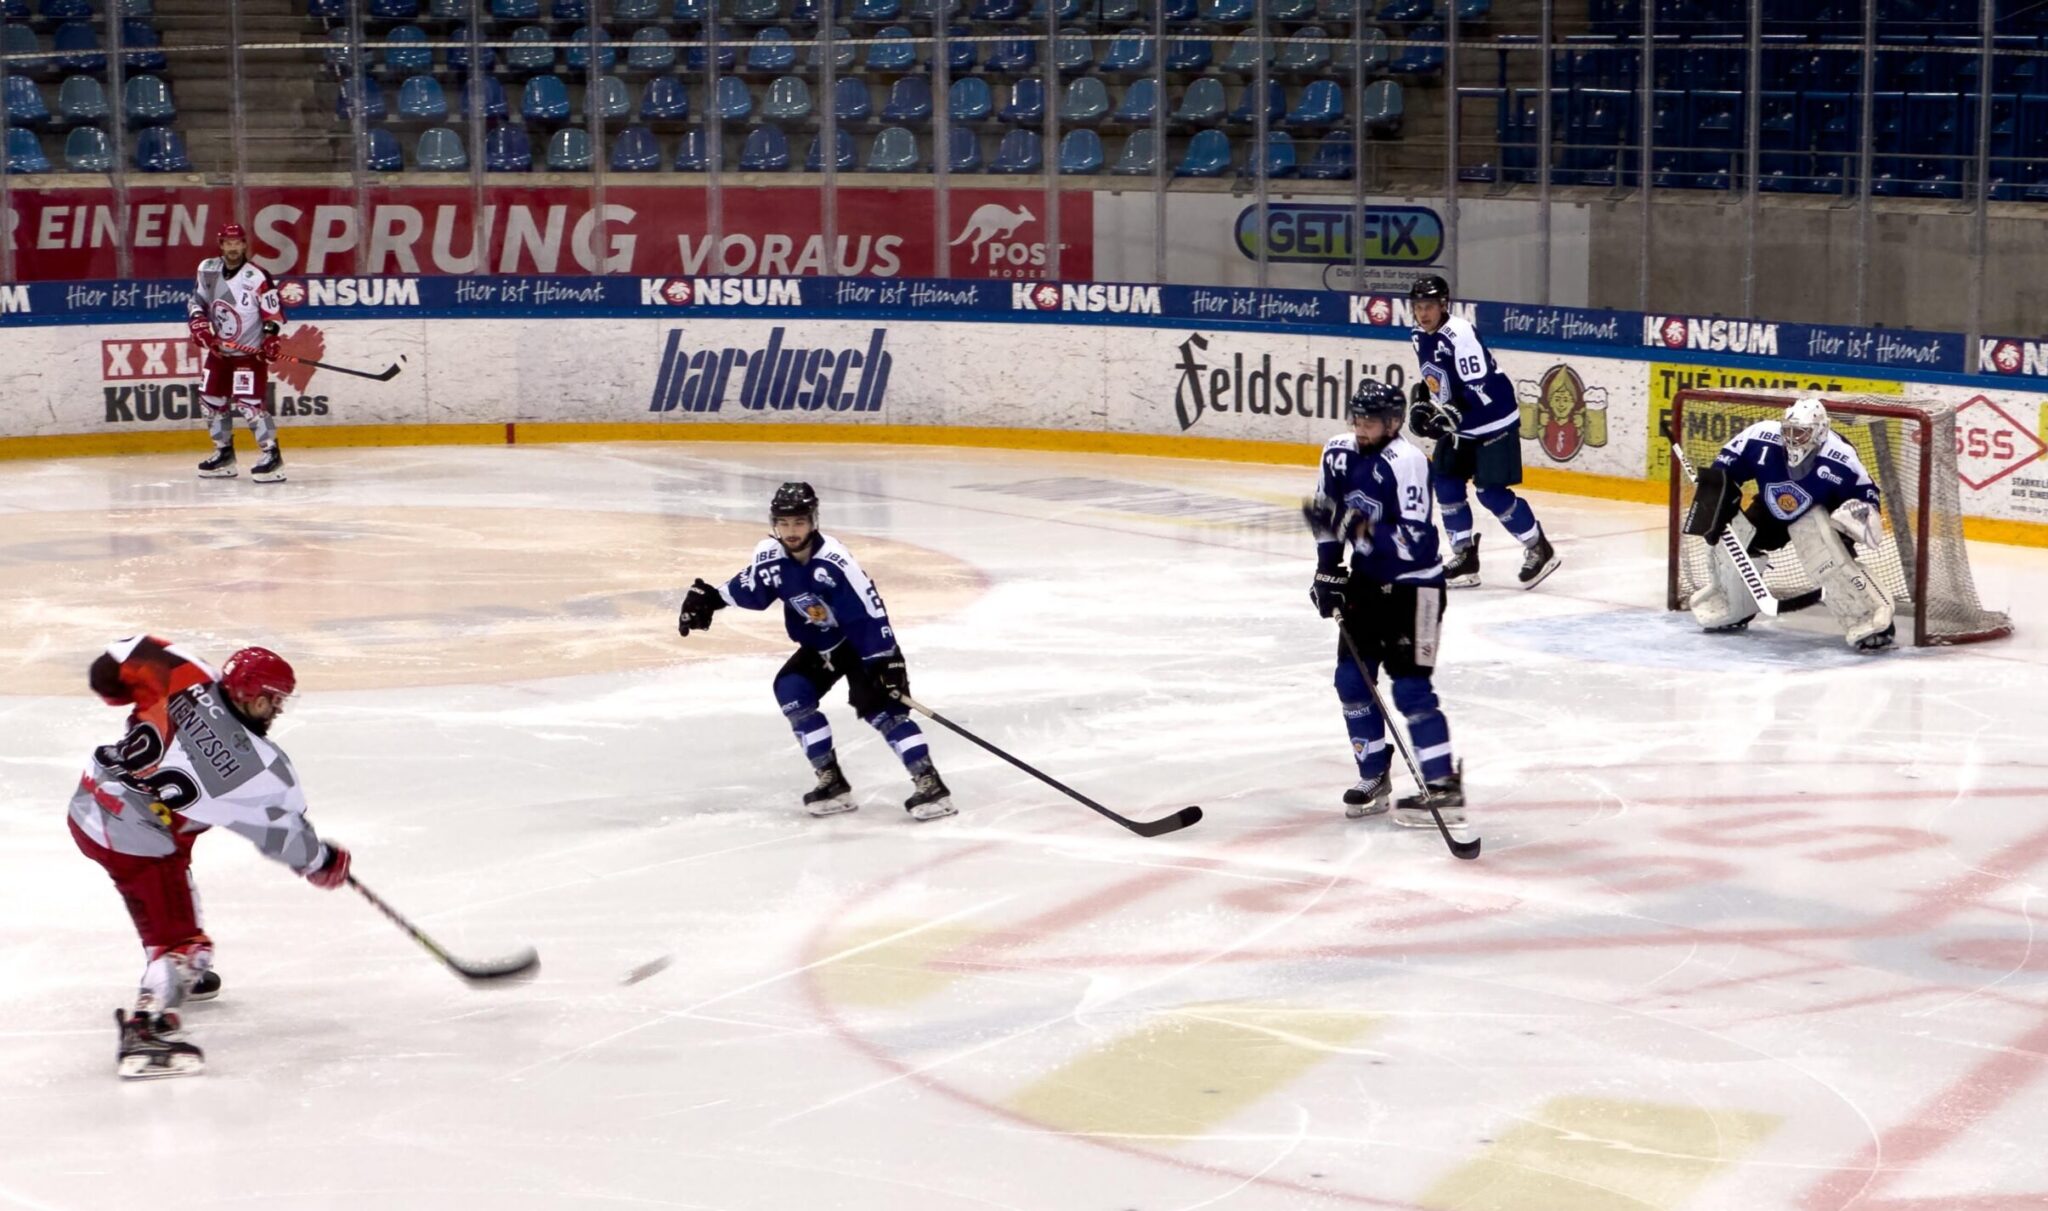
384 376
526 962
1467 850
1744 566
1144 828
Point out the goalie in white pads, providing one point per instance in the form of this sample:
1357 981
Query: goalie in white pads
1812 492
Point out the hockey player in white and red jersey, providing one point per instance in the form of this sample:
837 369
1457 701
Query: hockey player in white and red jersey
235 317
194 756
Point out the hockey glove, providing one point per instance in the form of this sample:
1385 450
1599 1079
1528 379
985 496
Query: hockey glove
273 346
699 604
1419 393
332 871
1327 591
891 674
202 332
1434 420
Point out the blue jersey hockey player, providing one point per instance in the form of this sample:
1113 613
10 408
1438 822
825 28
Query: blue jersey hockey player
1373 498
835 616
1467 406
1812 491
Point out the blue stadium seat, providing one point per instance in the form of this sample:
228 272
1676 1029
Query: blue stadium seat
1208 155
1322 103
526 56
788 101
850 100
843 162
1420 60
1276 104
636 10
577 57
80 99
1382 107
1127 55
78 48
545 99
1333 160
970 100
495 104
384 154
733 100
146 100
963 150
895 52
1341 10
25 151
507 149
758 12
1019 153
1289 10
24 103
1278 160
1072 52
665 99
1113 12
393 10
766 150
1140 103
1404 11
1139 156
606 97
842 50
929 10
961 54
86 149
805 12
875 12
1202 104
997 10
420 99
651 58
910 101
457 56
1012 56
1026 106
1178 12
569 150
689 12
894 150
373 101
570 10
440 150
1242 57
1298 56
21 40
449 10
771 51
692 154
1081 153
412 58
635 150
1233 12
1086 101
1067 10
516 10
1189 55
693 59
144 47
161 149
64 10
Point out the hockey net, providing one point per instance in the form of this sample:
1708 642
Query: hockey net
1908 446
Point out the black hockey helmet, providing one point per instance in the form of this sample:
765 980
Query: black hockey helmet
1430 288
1376 399
794 499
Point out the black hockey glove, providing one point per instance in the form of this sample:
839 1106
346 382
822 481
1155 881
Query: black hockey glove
1433 420
699 604
891 674
1327 591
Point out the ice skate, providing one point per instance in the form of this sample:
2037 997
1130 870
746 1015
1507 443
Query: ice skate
1447 795
832 795
931 800
205 988
1539 562
271 469
148 1050
220 466
1369 798
1463 570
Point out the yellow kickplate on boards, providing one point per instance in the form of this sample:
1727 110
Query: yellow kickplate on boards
1593 1154
891 970
1186 1072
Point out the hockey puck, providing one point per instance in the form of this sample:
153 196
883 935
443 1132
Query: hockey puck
641 972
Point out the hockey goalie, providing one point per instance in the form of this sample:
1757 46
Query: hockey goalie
1812 496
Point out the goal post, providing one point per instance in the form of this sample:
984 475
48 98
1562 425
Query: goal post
1908 446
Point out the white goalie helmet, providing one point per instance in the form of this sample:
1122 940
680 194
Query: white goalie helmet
1805 429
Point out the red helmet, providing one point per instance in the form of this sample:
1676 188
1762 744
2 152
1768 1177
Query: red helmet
231 231
254 672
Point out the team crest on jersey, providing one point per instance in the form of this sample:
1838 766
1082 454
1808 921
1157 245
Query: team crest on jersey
814 608
1786 501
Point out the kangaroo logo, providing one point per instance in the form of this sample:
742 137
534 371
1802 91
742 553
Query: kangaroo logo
988 223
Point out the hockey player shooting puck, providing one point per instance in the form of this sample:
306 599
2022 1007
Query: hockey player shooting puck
654 967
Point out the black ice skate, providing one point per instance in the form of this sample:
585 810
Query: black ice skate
271 469
1538 561
931 800
1447 795
1880 641
205 988
1368 798
833 793
148 1051
1463 570
220 466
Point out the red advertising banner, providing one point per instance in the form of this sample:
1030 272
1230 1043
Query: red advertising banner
71 234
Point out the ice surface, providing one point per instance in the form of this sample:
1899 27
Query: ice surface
1755 926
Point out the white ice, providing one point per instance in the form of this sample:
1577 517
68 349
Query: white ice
1755 926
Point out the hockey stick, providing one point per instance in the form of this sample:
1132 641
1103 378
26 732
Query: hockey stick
526 962
1144 828
1467 850
1744 567
390 372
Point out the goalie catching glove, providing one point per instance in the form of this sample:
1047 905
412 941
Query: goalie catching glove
699 604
